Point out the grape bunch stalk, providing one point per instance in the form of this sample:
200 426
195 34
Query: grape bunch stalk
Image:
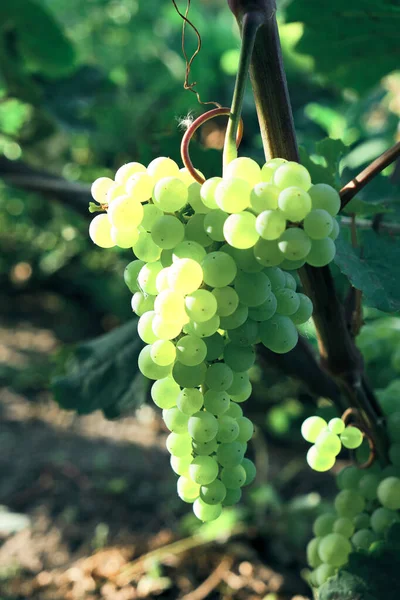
209 281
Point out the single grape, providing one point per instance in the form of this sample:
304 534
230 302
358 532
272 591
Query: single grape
323 525
165 392
203 470
233 195
335 230
151 213
328 443
167 232
243 168
349 503
189 376
185 276
363 539
288 302
322 252
252 288
305 310
313 558
325 197
294 203
147 277
246 430
250 469
264 196
382 519
231 454
187 177
203 426
362 520
100 188
319 461
323 573
125 212
214 224
244 258
131 274
246 334
351 438
215 346
205 328
100 231
162 280
145 248
240 230
213 493
179 444
188 249
344 526
163 167
191 350
239 358
232 497
206 512
163 352
349 478
233 477
234 411
216 402
334 549
368 486
207 192
165 330
228 429
278 334
181 464
142 303
237 318
264 311
336 425
219 269
170 194
170 305
124 238
270 224
227 300
195 232
292 174
205 448
187 489
268 170
295 244
267 253
219 377
201 305
389 493
318 224
140 187
145 327
149 368
175 420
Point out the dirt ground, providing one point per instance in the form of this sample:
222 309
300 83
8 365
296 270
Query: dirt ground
90 509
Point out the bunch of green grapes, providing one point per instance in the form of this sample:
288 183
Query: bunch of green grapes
367 504
207 287
327 440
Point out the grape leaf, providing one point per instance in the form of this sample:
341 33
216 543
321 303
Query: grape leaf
376 271
365 209
331 151
345 38
103 374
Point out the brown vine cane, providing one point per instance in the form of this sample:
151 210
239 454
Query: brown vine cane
215 112
353 413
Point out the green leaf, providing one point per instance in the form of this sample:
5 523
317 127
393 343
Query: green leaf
326 170
365 209
376 271
103 374
353 44
13 115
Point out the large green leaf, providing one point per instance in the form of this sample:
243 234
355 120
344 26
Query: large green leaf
375 269
326 171
103 374
354 44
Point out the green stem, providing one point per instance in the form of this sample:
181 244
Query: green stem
251 23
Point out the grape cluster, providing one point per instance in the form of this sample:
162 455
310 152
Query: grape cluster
207 287
327 440
367 504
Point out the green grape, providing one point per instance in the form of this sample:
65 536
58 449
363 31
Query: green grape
335 230
166 258
116 190
389 493
227 300
145 248
100 188
267 253
240 383
191 350
239 358
278 334
349 503
277 277
149 368
188 249
325 197
323 525
151 214
244 395
318 224
250 469
313 558
349 478
246 430
252 288
175 420
163 352
194 199
189 376
179 444
264 311
125 213
124 238
268 170
323 573
201 305
244 258
203 470
170 306
363 539
351 437
187 177
264 196
233 477
181 464
243 168
292 265
240 230
394 454
140 186
204 329
131 274
147 277
219 269
270 224
344 526
195 232
362 521
145 327
295 244
167 232
216 402
234 411
336 425
162 280
142 303
185 276
189 400
292 174
322 252
237 318
231 454
213 493
100 231
207 192
232 497
368 485
334 549
214 224
382 519
170 194
165 330
288 302
206 512
294 203
205 448
305 310
127 170
187 489
319 461
228 429
328 443
203 426
215 346
165 392
393 426
219 377
290 282
233 195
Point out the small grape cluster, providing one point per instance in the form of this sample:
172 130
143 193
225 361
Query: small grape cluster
327 440
207 287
